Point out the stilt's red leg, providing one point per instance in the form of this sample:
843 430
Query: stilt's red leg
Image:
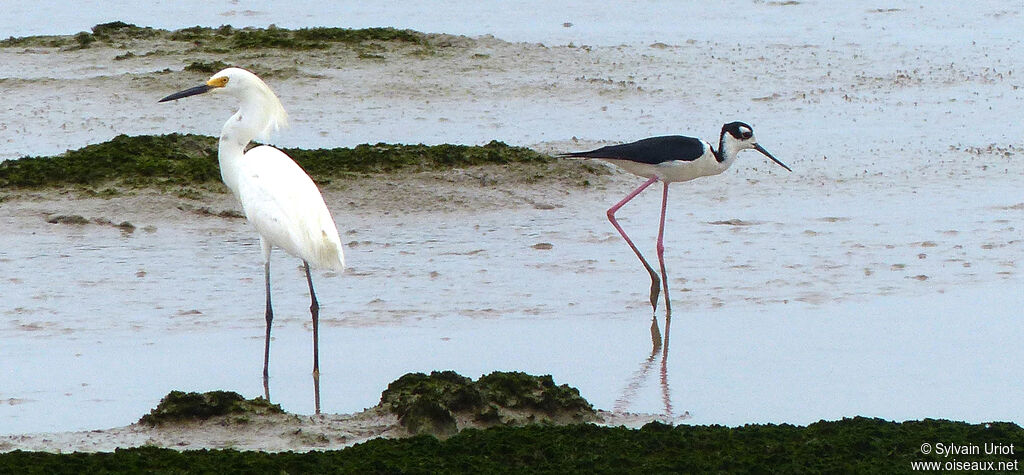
661 261
655 280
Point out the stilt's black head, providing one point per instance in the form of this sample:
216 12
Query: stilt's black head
738 130
738 136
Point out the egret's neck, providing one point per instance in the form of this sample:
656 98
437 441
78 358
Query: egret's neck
238 131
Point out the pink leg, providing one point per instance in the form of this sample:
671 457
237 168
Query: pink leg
661 261
666 397
655 281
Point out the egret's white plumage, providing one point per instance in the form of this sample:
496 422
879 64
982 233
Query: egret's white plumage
277 196
286 208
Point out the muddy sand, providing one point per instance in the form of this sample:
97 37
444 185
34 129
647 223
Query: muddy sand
906 188
268 433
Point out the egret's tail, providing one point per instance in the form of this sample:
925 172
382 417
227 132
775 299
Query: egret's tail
328 255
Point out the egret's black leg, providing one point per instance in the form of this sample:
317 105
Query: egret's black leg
655 281
314 310
266 346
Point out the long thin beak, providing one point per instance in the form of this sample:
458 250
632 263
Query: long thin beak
765 152
191 92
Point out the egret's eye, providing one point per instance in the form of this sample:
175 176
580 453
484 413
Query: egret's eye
219 81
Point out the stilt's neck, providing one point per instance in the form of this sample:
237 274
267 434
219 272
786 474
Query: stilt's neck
727 150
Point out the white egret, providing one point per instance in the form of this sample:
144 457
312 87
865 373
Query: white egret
277 196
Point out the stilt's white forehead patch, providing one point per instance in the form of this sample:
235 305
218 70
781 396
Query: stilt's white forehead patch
745 131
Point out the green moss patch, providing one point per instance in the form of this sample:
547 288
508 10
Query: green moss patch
386 158
225 38
444 402
145 159
181 159
178 406
319 38
108 33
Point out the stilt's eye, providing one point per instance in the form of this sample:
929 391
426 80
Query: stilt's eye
746 133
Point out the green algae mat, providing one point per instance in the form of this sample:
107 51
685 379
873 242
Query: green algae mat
176 159
223 39
858 445
186 158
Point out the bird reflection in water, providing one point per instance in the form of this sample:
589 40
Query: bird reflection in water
659 346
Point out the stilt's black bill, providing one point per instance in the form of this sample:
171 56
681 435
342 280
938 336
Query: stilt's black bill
190 92
765 152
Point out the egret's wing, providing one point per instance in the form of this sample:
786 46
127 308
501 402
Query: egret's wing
287 209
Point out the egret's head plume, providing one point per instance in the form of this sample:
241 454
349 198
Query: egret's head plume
254 94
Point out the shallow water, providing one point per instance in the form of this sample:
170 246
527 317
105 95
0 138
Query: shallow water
558 23
796 311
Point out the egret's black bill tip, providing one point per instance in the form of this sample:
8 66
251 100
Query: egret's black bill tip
765 152
187 92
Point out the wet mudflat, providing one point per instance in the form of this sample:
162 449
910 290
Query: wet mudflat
881 278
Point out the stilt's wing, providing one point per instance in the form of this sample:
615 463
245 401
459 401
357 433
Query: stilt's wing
652 151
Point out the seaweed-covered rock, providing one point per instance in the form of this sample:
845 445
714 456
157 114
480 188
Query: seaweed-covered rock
532 396
173 158
444 401
227 38
75 219
178 159
179 406
428 416
449 388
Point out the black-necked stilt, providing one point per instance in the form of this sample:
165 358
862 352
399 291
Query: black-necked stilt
670 159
